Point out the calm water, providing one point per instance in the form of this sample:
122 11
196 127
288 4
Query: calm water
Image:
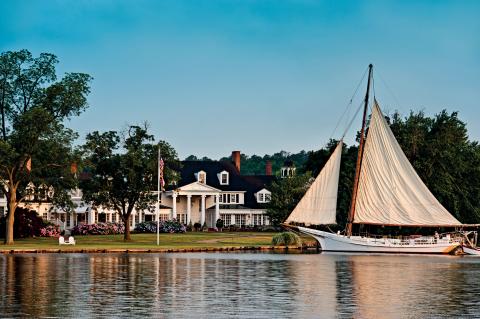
240 285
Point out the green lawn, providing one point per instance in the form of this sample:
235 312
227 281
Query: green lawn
148 241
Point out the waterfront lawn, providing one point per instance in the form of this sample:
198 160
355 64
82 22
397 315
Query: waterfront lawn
148 241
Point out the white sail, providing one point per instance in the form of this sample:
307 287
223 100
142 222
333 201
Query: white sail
319 204
390 192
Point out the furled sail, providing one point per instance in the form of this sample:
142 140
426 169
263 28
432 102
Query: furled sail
319 204
390 192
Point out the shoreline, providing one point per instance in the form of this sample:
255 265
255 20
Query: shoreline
147 251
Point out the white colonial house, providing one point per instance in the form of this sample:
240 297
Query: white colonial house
207 191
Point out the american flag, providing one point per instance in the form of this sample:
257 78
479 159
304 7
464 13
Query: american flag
161 165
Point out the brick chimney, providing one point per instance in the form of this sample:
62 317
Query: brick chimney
268 168
236 159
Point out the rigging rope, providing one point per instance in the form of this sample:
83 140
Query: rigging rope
353 118
348 107
390 90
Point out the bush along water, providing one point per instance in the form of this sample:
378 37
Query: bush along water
98 229
167 226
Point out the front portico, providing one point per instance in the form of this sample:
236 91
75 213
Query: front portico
189 203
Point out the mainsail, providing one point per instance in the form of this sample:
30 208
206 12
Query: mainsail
390 192
319 204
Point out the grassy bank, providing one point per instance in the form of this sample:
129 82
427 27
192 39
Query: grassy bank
143 242
148 241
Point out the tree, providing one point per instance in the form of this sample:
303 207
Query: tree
286 193
35 146
123 171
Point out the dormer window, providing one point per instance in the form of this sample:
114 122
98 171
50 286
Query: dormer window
202 177
263 196
223 178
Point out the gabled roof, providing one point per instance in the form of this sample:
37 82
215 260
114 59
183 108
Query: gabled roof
247 183
197 187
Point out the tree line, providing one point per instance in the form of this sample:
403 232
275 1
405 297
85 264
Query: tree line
255 164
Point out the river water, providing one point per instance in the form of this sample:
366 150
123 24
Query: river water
238 285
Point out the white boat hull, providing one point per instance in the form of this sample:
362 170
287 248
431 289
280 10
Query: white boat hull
471 251
422 245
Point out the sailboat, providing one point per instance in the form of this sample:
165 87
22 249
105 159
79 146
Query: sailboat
387 191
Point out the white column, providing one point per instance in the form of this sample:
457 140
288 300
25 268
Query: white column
251 218
91 216
217 209
174 206
232 219
202 211
189 209
72 220
117 217
133 219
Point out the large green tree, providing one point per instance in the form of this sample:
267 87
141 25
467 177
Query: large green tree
122 171
35 146
286 193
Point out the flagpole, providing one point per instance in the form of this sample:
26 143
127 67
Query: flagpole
158 197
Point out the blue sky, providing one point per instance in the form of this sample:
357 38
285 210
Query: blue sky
251 75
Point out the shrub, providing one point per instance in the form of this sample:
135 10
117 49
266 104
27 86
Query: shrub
167 226
27 223
219 223
286 239
50 231
197 226
98 229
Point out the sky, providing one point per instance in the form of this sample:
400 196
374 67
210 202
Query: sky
256 76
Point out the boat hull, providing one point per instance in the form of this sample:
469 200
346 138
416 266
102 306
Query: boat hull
471 251
341 243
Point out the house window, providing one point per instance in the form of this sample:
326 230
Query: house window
2 210
263 196
202 177
258 219
223 177
240 220
227 219
233 198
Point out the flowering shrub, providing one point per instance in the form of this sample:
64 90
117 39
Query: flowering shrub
98 229
27 223
167 226
50 231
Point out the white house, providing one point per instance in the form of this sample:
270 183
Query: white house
207 191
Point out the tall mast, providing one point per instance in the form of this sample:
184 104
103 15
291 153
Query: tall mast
351 213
